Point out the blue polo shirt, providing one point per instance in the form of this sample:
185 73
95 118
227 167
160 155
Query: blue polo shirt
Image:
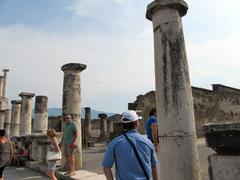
150 121
120 152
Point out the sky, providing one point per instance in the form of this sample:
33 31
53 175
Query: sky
115 40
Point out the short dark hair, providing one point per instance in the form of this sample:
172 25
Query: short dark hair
153 111
2 132
129 126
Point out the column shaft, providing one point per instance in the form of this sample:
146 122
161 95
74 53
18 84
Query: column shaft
40 122
4 90
72 100
7 121
26 114
1 86
88 121
15 118
2 114
178 152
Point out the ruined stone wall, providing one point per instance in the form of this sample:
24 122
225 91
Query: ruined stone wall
220 104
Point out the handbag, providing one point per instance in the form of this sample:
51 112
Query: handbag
137 156
53 155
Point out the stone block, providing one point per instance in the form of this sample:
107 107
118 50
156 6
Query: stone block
224 167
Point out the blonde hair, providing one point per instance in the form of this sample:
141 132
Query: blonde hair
51 132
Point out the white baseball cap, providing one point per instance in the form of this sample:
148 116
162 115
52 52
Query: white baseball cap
129 116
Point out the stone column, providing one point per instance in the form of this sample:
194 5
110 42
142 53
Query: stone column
1 85
15 118
40 122
7 121
26 113
178 151
72 100
88 121
103 126
109 127
2 114
4 90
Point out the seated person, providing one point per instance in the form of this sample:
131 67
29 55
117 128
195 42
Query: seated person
16 154
22 155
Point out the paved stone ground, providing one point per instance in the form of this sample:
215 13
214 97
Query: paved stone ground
92 162
22 173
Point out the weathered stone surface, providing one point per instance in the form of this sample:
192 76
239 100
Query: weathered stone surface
72 100
224 167
2 114
88 121
1 85
4 87
15 118
26 113
40 122
223 137
178 154
103 126
157 5
7 121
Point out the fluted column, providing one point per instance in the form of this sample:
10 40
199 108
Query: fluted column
40 122
15 118
2 114
7 121
4 91
26 113
71 103
178 151
103 126
1 86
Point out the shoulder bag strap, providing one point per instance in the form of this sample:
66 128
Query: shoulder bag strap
137 155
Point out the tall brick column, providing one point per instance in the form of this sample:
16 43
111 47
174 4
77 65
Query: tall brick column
15 118
26 113
178 151
72 100
40 122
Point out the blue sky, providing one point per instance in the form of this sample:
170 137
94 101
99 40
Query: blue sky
115 40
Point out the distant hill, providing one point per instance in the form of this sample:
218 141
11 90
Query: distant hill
94 113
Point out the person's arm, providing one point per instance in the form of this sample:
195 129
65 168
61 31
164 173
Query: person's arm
108 173
74 143
55 142
154 128
154 173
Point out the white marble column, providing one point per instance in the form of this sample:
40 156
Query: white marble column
2 114
15 118
7 121
4 90
71 103
40 122
178 151
26 113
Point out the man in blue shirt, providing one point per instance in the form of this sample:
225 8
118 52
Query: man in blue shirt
152 128
121 152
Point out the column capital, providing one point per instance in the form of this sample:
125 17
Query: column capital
87 109
74 66
2 110
157 5
16 102
26 94
5 70
102 115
